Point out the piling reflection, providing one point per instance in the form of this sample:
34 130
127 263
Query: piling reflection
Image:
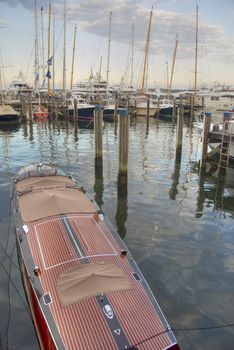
175 177
122 209
200 197
215 188
98 185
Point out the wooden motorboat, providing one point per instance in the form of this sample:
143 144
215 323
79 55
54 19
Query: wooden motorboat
84 289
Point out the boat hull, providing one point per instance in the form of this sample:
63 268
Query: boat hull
41 115
9 119
142 111
42 331
84 113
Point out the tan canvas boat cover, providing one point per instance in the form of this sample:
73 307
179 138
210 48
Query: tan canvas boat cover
37 182
47 202
85 281
7 109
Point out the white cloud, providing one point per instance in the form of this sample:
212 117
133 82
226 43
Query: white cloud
93 16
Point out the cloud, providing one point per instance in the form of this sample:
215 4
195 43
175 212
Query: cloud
93 16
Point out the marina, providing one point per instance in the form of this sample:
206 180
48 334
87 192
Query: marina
177 224
117 177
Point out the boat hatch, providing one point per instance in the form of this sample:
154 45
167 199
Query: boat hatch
85 281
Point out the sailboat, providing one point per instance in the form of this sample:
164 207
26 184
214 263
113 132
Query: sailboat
40 111
109 109
140 102
166 106
8 116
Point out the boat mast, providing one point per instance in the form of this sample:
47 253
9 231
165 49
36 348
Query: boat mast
73 56
64 50
53 51
100 70
196 50
1 102
36 50
49 90
173 66
42 46
132 54
146 54
108 57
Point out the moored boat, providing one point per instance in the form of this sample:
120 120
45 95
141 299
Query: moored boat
41 113
8 116
84 289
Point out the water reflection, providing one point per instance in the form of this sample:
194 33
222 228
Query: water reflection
215 188
122 209
175 177
187 260
98 185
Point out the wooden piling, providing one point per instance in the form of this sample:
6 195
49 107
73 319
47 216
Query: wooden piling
147 110
75 109
205 138
29 107
123 146
98 117
116 109
226 118
24 113
174 109
179 134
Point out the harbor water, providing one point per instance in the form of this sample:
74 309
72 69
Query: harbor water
178 225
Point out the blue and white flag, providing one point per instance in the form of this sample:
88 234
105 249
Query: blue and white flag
49 62
48 74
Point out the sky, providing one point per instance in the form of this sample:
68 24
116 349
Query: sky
92 17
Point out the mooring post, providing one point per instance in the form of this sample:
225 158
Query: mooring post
205 138
98 116
147 109
123 146
179 134
75 109
174 109
116 109
23 113
226 118
191 106
30 106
